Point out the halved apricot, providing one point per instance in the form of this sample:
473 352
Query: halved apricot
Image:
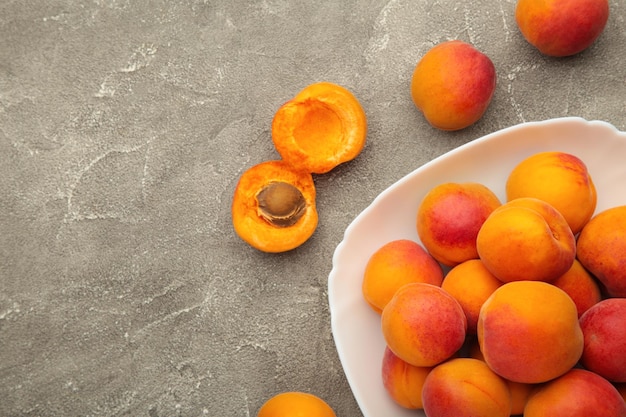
273 207
323 126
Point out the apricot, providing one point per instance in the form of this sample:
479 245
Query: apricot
449 218
601 249
273 207
321 127
580 285
295 404
519 391
604 331
393 265
470 283
526 239
403 381
528 332
423 325
465 387
558 178
561 27
452 85
577 393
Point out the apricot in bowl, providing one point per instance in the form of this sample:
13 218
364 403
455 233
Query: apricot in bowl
323 126
487 160
273 207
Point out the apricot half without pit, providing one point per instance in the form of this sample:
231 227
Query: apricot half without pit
323 126
273 207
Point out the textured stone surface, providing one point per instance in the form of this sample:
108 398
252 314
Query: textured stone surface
124 126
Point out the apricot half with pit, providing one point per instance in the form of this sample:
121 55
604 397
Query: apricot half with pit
273 207
452 85
323 126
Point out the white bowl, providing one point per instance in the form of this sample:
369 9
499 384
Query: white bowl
488 160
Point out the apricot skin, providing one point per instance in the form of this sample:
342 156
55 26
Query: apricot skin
465 387
558 178
561 27
449 218
471 284
423 325
528 332
526 239
403 381
601 249
519 391
576 393
393 265
581 286
452 85
604 330
294 403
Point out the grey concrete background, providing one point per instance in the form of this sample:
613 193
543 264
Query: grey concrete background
124 126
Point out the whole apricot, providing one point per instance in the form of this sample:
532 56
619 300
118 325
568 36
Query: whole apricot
295 404
449 218
526 239
519 391
601 248
559 178
465 387
273 207
423 325
452 85
393 265
471 284
604 331
577 393
403 381
528 332
581 286
561 27
323 126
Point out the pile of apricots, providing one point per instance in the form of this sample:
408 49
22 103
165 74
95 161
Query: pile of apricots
535 288
324 125
507 308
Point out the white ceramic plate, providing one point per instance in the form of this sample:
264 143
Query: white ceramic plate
488 160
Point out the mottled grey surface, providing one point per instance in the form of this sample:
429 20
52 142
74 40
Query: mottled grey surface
124 126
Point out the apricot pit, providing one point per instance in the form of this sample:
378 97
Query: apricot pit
281 204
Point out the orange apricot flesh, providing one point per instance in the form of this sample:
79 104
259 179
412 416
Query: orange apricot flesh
323 126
